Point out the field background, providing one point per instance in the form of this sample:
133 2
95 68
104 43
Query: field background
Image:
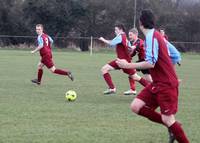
40 114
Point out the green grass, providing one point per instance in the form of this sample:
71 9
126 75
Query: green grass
40 114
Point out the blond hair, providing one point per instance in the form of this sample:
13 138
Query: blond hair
134 31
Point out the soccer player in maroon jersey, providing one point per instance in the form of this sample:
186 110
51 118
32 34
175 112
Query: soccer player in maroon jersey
163 91
136 47
162 32
44 47
120 41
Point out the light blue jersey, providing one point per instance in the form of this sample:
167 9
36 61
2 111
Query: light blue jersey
173 53
116 40
151 48
40 40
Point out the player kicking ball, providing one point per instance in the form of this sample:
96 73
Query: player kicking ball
44 47
163 91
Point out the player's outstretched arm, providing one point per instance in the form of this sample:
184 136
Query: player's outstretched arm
140 65
40 45
112 43
37 49
104 40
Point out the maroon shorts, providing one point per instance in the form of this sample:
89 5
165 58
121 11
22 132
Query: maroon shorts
47 61
127 71
164 97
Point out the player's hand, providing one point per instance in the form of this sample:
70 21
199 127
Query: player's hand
101 39
32 52
131 49
122 63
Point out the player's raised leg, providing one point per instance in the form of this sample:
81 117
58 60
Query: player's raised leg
145 106
133 76
175 128
105 72
40 73
148 77
44 47
139 79
139 107
62 72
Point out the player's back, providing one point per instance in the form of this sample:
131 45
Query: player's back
163 71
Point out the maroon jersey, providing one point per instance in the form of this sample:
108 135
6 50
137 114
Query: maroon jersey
122 49
166 37
46 50
140 50
163 72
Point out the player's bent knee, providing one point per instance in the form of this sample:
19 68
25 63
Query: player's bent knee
168 120
104 69
136 77
40 66
136 105
148 78
53 69
134 108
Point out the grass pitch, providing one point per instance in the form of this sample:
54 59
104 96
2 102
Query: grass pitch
40 114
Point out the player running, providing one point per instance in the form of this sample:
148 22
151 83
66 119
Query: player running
136 47
120 41
173 52
44 47
163 91
162 32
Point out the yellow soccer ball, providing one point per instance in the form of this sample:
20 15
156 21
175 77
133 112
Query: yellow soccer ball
71 95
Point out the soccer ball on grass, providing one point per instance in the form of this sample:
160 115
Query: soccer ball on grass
71 95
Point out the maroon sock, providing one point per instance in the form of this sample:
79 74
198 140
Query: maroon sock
143 82
151 115
108 80
40 73
178 133
60 72
132 83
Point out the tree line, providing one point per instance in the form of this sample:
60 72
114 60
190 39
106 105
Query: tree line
75 18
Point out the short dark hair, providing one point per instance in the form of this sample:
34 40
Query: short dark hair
147 19
120 26
40 25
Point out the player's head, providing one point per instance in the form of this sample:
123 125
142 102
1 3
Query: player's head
39 29
119 28
162 31
133 34
147 20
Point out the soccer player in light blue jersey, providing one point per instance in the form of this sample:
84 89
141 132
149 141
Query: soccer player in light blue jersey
173 53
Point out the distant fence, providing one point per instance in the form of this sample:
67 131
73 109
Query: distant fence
91 44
